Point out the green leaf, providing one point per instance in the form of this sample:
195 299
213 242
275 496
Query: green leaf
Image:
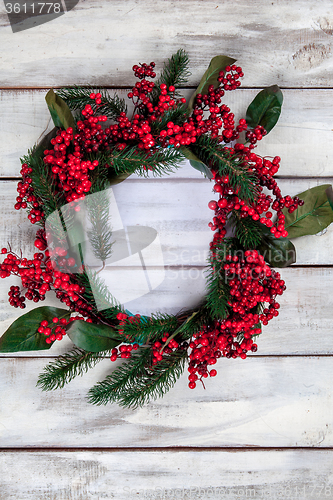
60 112
45 143
196 162
278 252
91 337
22 335
329 194
114 178
265 108
217 64
314 216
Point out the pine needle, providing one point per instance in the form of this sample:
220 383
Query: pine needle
68 366
77 97
135 382
213 154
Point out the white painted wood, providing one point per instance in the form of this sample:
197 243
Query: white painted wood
302 327
176 208
156 475
285 42
302 138
266 402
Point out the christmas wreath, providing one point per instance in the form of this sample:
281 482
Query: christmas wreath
96 144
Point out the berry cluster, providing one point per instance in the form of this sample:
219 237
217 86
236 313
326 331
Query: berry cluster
26 197
260 209
53 331
252 283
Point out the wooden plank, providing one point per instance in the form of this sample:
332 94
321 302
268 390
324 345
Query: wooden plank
302 327
177 209
173 474
288 42
302 138
265 402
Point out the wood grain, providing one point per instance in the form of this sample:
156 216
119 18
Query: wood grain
177 209
266 402
199 475
289 43
302 138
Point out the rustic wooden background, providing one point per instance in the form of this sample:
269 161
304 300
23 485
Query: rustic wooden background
263 427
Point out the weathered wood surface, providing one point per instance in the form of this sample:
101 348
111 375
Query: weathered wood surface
199 475
303 326
285 42
176 208
279 397
266 402
303 137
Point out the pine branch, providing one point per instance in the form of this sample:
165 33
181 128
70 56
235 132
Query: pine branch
217 288
131 160
213 154
44 185
150 329
133 384
122 378
176 115
77 97
98 212
98 295
248 231
68 366
175 72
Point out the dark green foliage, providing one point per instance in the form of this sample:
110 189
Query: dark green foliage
248 231
98 296
212 154
135 382
100 234
150 329
59 110
68 366
217 291
175 72
77 97
158 163
265 109
23 335
44 185
176 115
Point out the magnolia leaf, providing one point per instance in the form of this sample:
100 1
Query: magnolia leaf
60 112
22 335
114 178
311 218
329 194
278 252
217 64
91 337
45 143
265 108
196 162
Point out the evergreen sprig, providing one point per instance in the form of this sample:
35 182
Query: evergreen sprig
247 231
131 160
150 328
77 97
217 291
43 183
68 366
98 295
98 212
175 72
136 382
213 154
